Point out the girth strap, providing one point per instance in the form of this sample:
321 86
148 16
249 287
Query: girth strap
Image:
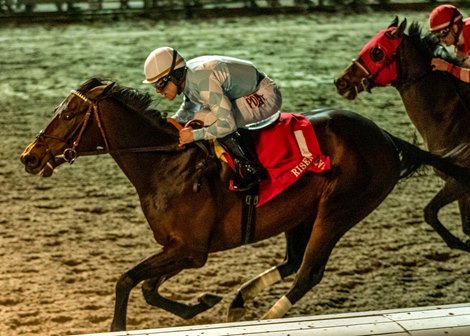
248 220
250 197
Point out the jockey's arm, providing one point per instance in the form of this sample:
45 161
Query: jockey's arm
224 121
459 72
221 108
186 111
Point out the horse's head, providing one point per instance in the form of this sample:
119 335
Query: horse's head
376 64
59 142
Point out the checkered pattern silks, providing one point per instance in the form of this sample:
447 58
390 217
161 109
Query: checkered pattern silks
228 89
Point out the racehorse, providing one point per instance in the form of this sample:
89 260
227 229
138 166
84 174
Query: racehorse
314 213
436 102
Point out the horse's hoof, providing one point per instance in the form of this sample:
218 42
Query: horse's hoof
235 314
209 299
466 226
467 244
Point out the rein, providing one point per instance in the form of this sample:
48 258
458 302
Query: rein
70 154
401 84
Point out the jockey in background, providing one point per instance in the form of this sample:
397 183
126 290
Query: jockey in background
227 93
447 23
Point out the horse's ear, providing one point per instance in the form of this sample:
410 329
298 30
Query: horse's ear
397 32
108 88
100 91
401 28
394 22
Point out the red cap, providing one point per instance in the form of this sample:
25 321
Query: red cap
443 16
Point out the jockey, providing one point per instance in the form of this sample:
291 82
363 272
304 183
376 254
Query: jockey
448 24
229 93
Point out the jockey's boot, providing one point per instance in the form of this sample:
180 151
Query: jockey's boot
249 171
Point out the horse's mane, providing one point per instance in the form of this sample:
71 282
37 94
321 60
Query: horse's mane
134 100
429 45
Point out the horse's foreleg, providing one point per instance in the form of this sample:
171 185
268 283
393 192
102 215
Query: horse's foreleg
449 193
295 249
464 206
185 311
123 289
167 262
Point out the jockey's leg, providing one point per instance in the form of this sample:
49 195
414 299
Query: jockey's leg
248 169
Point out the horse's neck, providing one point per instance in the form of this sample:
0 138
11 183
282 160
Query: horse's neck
154 172
127 130
412 66
432 102
429 113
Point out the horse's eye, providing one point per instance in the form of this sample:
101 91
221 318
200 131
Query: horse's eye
67 116
376 54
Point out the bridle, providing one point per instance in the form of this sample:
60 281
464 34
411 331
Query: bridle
71 153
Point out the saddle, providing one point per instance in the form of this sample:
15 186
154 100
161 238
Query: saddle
286 146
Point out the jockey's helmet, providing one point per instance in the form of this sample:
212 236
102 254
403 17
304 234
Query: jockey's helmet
443 16
161 63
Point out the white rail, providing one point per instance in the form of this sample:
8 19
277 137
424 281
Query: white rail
449 320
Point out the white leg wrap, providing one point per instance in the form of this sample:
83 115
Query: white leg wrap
279 309
251 288
269 277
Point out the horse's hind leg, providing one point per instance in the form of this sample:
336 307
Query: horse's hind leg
336 216
183 310
297 239
311 271
451 191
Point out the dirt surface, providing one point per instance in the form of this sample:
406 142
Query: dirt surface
65 240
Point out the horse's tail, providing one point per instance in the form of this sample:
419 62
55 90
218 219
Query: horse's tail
412 158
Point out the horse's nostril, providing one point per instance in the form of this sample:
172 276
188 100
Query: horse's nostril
29 160
340 83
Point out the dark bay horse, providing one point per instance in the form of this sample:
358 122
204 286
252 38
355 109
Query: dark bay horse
437 103
314 213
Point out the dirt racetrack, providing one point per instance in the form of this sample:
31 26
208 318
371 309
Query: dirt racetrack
66 239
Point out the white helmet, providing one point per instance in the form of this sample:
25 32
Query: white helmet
161 62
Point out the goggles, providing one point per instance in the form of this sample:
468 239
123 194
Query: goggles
443 32
161 83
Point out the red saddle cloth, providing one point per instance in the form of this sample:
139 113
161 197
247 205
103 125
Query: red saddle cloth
287 149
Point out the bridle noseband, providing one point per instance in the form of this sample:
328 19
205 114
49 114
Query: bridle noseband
367 81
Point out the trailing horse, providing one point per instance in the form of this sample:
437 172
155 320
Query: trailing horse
314 213
437 103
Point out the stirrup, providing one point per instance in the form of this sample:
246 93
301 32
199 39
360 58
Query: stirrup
246 184
249 186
